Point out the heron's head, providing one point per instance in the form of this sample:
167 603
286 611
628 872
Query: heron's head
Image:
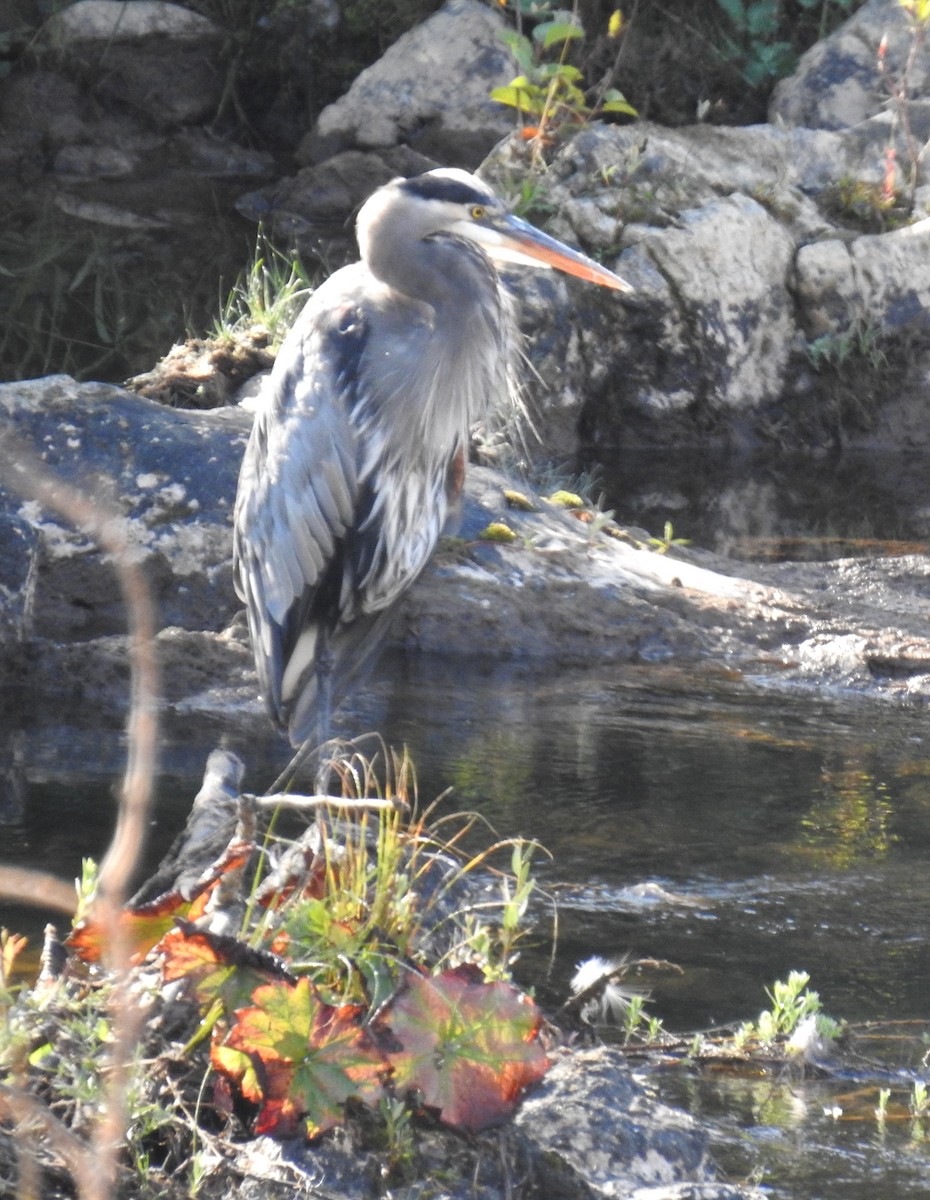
452 201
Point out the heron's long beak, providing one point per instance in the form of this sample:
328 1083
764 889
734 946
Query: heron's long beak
512 240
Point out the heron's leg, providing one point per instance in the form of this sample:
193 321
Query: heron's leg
325 661
322 743
324 707
287 776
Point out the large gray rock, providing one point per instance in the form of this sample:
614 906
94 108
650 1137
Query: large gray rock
711 325
563 592
837 83
430 90
171 473
161 59
720 275
596 1131
879 282
116 20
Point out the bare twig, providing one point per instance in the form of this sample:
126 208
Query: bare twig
37 888
95 1169
302 803
31 1118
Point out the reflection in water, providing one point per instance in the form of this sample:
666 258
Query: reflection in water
12 779
850 820
765 506
738 835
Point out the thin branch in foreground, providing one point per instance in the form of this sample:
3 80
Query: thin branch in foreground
37 888
310 803
94 1170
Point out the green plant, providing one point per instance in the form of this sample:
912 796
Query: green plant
399 1141
365 964
870 207
663 544
792 1002
763 36
516 891
268 294
861 344
919 1103
339 983
57 1046
754 42
634 1016
550 91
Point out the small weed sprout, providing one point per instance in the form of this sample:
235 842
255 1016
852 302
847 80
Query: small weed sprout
516 892
399 1141
860 345
654 1029
792 1003
741 1036
881 1109
663 544
633 1017
919 1103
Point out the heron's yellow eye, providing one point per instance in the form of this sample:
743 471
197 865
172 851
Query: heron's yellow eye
477 211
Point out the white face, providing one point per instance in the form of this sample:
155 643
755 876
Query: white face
498 246
395 217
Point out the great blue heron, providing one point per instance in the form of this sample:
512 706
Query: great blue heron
360 445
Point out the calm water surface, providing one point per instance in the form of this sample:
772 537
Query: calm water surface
764 506
788 832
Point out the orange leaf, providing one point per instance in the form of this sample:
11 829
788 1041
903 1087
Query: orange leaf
303 1057
145 925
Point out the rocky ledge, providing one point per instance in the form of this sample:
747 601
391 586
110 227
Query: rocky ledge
568 588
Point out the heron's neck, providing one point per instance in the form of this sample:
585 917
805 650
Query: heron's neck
446 273
463 366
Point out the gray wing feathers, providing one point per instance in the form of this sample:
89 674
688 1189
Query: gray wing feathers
297 495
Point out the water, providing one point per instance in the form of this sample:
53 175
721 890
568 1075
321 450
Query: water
785 506
777 832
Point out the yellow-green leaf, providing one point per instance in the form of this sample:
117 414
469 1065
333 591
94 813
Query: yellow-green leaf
497 531
551 33
564 499
518 501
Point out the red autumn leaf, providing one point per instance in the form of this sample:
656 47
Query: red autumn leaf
469 1047
243 1069
300 1058
146 925
217 965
